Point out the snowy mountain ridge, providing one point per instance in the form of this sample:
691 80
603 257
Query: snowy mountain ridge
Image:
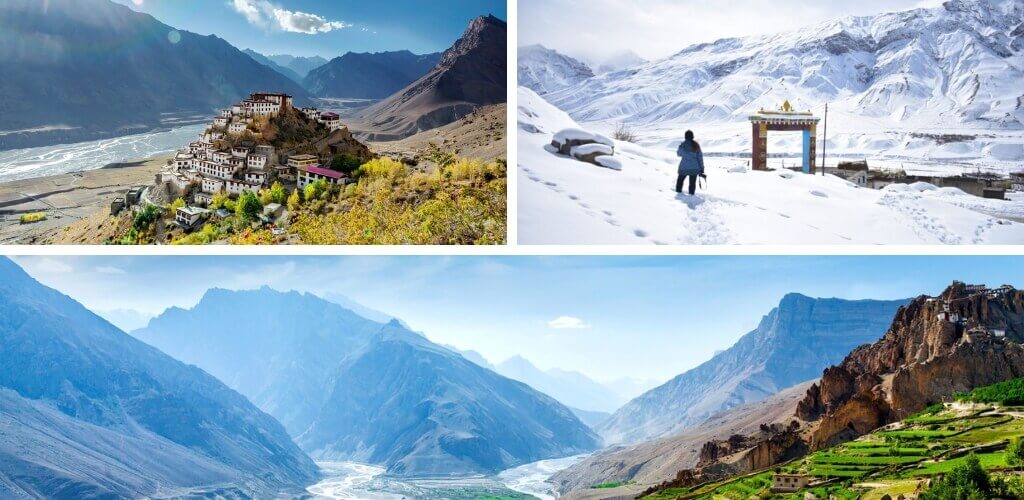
544 70
959 64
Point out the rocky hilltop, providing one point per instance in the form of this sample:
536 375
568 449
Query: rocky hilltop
969 336
792 344
470 74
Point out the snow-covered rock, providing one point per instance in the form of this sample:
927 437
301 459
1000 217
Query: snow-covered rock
590 152
575 134
609 162
544 70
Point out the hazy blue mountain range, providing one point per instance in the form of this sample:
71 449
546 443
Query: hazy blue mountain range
358 308
277 348
570 387
300 65
93 68
87 411
589 400
350 388
368 75
425 410
793 343
262 59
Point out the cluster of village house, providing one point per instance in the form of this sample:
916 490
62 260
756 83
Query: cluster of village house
204 170
977 332
980 184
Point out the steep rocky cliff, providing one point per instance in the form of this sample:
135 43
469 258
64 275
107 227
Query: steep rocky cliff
967 337
793 343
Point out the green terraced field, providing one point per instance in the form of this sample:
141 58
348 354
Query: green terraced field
881 462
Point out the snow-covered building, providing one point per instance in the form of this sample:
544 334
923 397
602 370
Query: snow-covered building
309 174
331 120
1017 181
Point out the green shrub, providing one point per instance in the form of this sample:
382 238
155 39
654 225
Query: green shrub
33 217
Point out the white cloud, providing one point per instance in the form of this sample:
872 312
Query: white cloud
53 266
264 13
567 323
110 270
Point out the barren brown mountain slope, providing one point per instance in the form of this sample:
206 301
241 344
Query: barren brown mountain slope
479 135
472 73
653 462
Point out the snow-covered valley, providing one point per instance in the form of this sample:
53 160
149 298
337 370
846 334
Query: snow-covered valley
931 90
562 200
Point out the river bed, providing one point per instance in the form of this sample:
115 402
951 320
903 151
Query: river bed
17 164
351 480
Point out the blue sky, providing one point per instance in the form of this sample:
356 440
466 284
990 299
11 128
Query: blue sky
655 29
608 317
281 26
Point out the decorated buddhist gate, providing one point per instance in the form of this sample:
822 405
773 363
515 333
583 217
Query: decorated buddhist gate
784 119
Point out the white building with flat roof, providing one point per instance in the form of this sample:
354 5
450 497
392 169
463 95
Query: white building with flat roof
309 174
237 187
211 185
256 162
220 156
297 161
256 177
189 217
218 170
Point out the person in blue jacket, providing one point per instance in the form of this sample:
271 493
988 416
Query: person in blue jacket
691 163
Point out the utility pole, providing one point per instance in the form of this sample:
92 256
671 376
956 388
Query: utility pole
824 142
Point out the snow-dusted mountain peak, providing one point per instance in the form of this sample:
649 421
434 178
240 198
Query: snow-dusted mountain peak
960 64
